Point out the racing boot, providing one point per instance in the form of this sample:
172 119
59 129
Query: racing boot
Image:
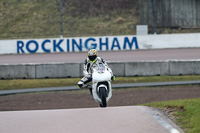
90 88
80 84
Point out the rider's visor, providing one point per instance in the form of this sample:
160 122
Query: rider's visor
93 57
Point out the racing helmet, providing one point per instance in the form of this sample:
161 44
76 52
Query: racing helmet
92 55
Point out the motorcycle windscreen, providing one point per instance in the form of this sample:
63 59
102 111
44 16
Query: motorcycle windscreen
101 68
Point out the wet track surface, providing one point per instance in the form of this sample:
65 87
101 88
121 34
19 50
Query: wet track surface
114 56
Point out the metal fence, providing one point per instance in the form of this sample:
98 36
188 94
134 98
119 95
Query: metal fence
183 14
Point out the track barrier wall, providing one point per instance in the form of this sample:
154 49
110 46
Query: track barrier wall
120 69
101 43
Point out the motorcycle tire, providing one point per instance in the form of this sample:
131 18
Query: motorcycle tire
103 97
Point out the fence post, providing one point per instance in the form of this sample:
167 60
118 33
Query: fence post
61 29
154 17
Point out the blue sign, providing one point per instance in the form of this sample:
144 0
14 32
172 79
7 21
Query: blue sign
77 44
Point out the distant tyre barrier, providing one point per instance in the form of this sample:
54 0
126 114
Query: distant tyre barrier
121 69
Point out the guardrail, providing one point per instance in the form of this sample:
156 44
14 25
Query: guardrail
71 70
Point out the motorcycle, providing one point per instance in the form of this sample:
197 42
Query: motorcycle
101 84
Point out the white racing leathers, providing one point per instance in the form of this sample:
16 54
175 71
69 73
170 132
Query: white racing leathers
87 70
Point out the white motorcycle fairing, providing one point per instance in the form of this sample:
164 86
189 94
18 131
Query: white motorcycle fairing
101 78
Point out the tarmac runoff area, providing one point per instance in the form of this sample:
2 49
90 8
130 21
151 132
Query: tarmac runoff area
125 119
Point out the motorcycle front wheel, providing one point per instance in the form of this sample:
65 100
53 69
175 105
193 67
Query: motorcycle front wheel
102 93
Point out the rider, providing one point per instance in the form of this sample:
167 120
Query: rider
90 62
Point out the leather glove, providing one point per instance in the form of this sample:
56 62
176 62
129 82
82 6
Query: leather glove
113 78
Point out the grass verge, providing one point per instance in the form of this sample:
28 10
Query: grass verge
186 113
38 83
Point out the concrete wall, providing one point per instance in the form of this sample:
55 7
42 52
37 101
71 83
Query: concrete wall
57 70
121 69
101 43
184 67
17 71
118 68
146 68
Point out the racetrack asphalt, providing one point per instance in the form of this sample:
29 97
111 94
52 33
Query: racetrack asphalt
126 85
110 56
129 119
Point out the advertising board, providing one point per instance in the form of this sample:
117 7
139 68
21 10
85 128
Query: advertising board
102 43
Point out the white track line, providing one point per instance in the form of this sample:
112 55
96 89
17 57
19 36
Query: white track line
165 124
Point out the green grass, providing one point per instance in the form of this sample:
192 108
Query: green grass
36 83
186 111
157 79
41 19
